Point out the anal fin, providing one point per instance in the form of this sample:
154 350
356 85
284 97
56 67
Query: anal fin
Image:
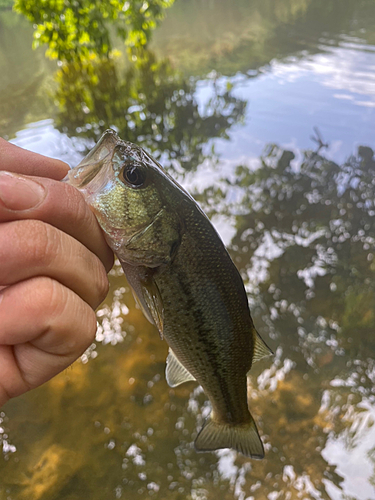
261 349
175 372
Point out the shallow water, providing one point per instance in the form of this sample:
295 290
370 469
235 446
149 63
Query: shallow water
267 115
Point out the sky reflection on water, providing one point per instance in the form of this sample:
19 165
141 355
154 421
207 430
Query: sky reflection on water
287 99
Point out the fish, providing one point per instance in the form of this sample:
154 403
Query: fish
184 281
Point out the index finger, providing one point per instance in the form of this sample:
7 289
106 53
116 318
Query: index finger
19 160
55 203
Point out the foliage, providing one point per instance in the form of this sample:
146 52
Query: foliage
77 29
6 4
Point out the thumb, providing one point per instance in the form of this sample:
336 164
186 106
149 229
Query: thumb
18 193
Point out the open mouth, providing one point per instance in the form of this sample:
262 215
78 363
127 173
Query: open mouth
80 176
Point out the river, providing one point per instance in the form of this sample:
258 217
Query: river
265 111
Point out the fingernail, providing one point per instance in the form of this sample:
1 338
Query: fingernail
18 192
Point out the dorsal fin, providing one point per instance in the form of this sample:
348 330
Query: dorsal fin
261 349
175 372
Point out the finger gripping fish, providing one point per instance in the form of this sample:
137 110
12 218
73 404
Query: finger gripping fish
184 281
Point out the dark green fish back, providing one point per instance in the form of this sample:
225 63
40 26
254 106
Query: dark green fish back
207 322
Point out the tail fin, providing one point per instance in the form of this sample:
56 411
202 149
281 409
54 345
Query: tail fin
243 438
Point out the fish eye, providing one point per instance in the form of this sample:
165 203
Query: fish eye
133 175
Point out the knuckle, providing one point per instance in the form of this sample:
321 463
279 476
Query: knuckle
45 299
91 327
85 331
41 242
110 260
62 309
94 281
102 284
53 298
86 227
81 214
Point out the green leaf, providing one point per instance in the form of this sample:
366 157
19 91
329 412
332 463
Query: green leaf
75 30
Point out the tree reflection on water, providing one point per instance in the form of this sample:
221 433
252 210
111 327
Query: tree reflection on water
304 243
304 239
151 104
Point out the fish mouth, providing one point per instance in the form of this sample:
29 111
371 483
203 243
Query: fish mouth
82 175
92 178
96 179
88 169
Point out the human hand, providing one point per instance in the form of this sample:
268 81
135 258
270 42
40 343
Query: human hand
53 271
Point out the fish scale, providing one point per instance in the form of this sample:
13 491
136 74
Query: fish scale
213 325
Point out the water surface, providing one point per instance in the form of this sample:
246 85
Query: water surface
267 114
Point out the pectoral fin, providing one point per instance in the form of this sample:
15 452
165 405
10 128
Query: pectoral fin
143 307
146 293
175 372
154 303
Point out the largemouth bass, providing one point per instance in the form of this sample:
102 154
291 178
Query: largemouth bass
184 281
